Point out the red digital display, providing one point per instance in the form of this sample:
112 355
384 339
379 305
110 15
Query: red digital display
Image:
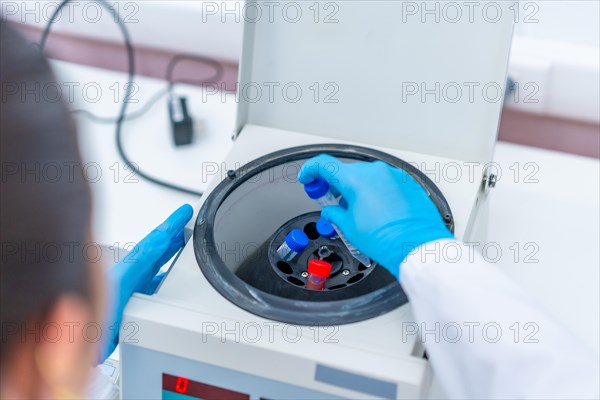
181 385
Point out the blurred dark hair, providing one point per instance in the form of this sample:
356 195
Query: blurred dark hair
45 201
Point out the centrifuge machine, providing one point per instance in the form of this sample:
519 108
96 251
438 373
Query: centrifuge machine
231 320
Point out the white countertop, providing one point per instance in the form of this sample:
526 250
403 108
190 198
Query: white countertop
555 220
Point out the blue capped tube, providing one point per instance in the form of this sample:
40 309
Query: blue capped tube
318 190
325 229
295 242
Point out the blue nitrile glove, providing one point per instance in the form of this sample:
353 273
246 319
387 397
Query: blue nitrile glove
137 272
384 212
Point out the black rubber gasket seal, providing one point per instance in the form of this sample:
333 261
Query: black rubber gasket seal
282 309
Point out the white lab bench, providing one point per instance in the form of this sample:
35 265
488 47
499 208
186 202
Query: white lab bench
549 212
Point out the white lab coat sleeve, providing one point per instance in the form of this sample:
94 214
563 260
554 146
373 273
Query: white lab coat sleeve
484 336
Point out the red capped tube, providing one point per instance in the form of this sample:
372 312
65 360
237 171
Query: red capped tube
318 272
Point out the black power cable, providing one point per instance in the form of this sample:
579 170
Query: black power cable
129 117
122 113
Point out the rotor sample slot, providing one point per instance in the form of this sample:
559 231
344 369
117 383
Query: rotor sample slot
344 266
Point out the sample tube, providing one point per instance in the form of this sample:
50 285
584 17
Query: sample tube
318 190
318 272
295 242
325 229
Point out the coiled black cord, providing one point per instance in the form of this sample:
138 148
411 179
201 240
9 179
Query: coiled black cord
128 90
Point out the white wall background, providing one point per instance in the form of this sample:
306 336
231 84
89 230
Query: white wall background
555 50
568 21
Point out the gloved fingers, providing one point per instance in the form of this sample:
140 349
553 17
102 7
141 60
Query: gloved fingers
406 180
324 166
175 245
330 169
395 177
344 203
147 258
176 221
337 216
147 251
157 242
160 244
153 284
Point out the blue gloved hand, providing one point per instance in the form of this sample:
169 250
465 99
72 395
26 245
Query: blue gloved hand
384 212
137 272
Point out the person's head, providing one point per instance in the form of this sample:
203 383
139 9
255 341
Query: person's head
48 290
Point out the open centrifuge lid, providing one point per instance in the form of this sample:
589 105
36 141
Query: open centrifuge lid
354 61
